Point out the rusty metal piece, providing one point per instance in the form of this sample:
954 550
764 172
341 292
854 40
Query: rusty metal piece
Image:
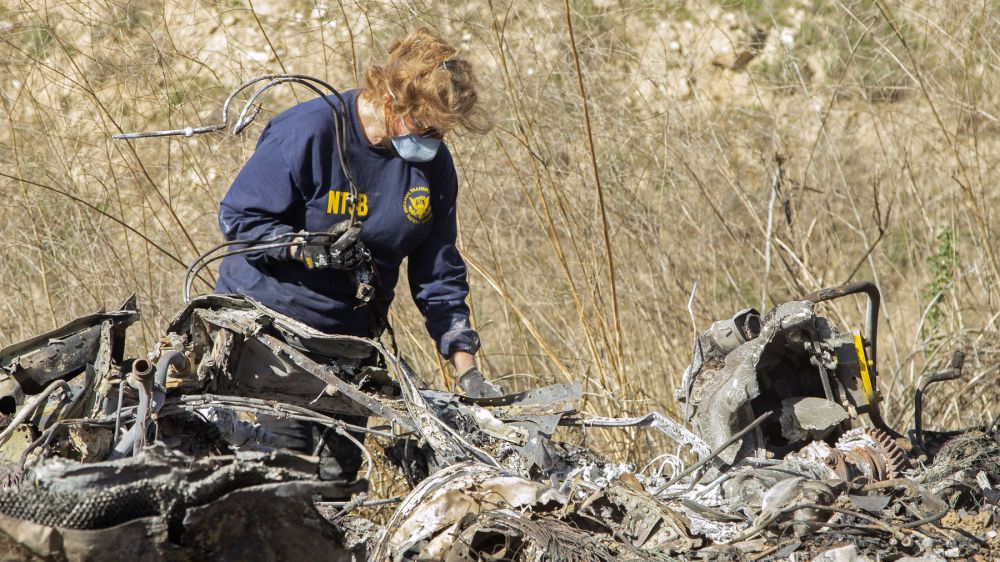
894 456
140 379
820 453
872 453
865 452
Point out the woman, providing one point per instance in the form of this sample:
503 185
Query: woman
407 188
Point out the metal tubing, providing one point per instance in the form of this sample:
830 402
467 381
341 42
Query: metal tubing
141 379
954 371
871 317
871 332
29 408
167 358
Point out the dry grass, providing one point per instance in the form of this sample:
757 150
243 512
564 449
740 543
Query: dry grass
629 172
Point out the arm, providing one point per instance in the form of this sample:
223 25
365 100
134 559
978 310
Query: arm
437 275
463 361
262 200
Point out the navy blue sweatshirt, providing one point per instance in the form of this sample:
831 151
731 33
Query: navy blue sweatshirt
294 181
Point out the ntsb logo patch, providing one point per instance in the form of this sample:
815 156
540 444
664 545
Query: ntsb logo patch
417 204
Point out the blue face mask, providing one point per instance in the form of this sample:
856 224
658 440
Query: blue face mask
415 148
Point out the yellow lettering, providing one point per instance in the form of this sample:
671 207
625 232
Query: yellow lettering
337 203
333 201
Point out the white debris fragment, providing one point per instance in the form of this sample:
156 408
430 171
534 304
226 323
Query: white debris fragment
847 553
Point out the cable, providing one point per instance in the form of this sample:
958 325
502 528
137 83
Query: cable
252 245
245 118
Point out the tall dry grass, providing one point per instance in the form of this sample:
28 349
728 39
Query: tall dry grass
654 166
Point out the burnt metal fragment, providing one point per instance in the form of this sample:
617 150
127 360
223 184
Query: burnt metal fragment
818 380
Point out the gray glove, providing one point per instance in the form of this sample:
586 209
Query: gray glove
475 385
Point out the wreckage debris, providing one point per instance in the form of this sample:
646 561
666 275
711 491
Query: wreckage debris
786 452
236 506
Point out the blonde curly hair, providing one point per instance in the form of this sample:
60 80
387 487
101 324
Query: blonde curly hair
429 82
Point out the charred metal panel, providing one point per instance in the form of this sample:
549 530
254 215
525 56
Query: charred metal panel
65 351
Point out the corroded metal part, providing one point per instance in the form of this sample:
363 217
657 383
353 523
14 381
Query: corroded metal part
866 452
873 452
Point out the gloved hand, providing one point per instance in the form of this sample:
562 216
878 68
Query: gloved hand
475 385
340 248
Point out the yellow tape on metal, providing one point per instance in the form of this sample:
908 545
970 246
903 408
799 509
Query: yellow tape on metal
863 367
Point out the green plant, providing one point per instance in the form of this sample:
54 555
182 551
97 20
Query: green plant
942 264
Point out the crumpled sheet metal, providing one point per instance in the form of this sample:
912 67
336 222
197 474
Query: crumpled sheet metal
66 349
433 512
680 434
470 510
88 343
645 522
299 344
448 445
556 399
792 492
248 316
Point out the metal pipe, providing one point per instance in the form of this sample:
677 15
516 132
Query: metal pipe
954 371
141 379
29 408
11 396
871 316
871 313
167 359
871 333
